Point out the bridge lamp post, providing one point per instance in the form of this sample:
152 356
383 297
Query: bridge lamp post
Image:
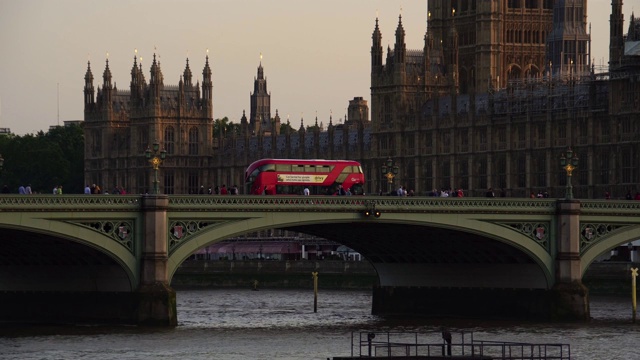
569 161
389 170
156 158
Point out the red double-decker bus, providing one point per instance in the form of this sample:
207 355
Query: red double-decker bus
290 177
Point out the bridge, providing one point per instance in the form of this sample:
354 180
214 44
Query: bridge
110 258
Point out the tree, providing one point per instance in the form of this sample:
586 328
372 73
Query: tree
223 128
44 160
220 127
70 140
285 126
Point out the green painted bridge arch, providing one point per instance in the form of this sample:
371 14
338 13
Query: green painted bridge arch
106 232
120 252
199 222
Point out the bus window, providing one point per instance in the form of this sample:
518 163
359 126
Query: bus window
268 167
342 177
283 167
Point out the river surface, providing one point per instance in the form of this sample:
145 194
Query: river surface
281 324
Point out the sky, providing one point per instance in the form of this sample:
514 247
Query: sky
315 53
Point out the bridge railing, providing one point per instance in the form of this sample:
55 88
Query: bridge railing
359 203
14 202
610 207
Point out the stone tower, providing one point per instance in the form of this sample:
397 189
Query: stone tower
358 111
499 40
569 45
260 113
616 34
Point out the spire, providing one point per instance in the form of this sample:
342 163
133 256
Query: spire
206 72
135 72
186 75
155 81
400 31
376 47
207 87
88 76
106 86
136 85
106 76
400 49
633 34
88 86
156 73
260 72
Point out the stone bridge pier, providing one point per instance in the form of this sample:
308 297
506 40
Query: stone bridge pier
569 297
156 300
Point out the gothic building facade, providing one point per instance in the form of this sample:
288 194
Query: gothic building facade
499 90
120 125
523 106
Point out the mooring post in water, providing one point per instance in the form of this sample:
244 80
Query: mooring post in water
315 291
634 275
370 337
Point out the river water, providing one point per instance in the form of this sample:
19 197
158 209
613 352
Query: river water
281 324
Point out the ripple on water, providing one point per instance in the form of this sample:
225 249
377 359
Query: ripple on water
238 324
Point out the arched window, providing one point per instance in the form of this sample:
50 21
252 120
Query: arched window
387 111
143 138
193 141
169 140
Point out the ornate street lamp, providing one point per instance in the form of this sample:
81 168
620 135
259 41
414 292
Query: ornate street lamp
156 158
569 161
389 170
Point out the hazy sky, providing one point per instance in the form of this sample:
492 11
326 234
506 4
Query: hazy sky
316 53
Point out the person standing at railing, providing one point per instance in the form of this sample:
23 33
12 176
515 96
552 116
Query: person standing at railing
446 336
490 193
